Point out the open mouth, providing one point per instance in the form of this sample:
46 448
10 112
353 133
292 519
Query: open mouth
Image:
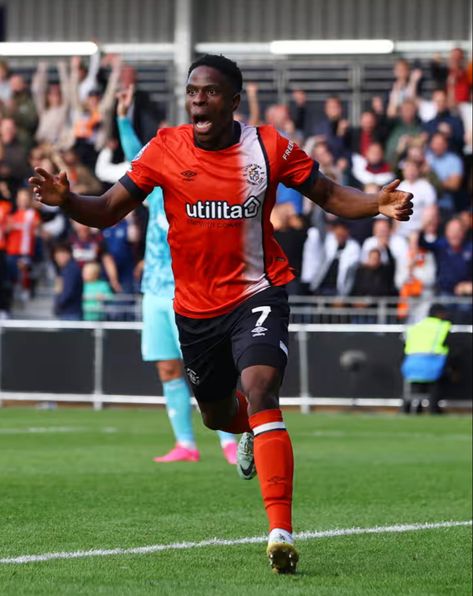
202 124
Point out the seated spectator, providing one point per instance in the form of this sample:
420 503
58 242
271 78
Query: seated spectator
406 129
291 233
417 153
118 243
68 286
423 195
88 246
334 129
13 163
52 105
22 229
446 122
392 247
366 134
405 86
453 256
329 266
95 293
320 151
372 169
449 169
373 277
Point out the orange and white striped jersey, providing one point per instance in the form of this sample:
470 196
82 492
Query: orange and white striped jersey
22 229
218 205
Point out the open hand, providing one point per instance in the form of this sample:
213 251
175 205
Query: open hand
395 203
50 190
125 99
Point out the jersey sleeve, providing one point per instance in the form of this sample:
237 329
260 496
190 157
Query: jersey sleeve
146 169
295 168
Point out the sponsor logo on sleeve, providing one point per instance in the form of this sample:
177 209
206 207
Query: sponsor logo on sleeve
289 148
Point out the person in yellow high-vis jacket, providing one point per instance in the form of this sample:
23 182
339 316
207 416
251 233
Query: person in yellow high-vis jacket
426 352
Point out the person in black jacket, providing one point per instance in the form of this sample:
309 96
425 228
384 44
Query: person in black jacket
373 278
68 296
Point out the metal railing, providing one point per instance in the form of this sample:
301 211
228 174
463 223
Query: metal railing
390 310
304 400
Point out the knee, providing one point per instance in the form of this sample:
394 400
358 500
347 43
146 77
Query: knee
262 392
169 370
211 421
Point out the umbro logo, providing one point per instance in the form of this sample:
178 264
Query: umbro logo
188 174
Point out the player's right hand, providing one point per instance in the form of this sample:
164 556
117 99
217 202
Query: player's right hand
48 189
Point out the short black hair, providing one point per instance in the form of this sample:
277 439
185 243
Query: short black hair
439 311
62 246
222 64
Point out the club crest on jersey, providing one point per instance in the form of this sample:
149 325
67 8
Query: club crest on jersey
223 210
254 173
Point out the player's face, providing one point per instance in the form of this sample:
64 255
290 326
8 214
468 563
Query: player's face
210 103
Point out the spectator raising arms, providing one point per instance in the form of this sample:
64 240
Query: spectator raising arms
52 105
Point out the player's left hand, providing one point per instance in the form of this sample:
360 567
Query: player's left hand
395 203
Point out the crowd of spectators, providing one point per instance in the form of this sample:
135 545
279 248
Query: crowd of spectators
64 120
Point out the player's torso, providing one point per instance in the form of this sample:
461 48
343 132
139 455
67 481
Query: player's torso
218 206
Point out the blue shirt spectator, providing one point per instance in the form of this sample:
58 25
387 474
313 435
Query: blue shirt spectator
289 195
448 167
117 244
68 296
446 122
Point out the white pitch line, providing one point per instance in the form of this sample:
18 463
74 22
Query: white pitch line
154 548
54 429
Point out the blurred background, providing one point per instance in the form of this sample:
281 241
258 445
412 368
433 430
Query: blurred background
372 90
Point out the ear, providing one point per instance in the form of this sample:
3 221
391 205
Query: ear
236 102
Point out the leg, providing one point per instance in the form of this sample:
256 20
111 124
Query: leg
159 345
178 401
261 348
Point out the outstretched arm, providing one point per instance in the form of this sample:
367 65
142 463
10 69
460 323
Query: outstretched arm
97 212
351 203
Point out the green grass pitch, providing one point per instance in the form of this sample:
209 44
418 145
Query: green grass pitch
74 479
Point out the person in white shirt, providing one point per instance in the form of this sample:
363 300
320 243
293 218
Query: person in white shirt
385 240
424 195
329 266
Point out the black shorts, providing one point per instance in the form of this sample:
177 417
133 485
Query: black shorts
216 350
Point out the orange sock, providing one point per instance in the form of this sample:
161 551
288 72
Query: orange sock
240 423
275 465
